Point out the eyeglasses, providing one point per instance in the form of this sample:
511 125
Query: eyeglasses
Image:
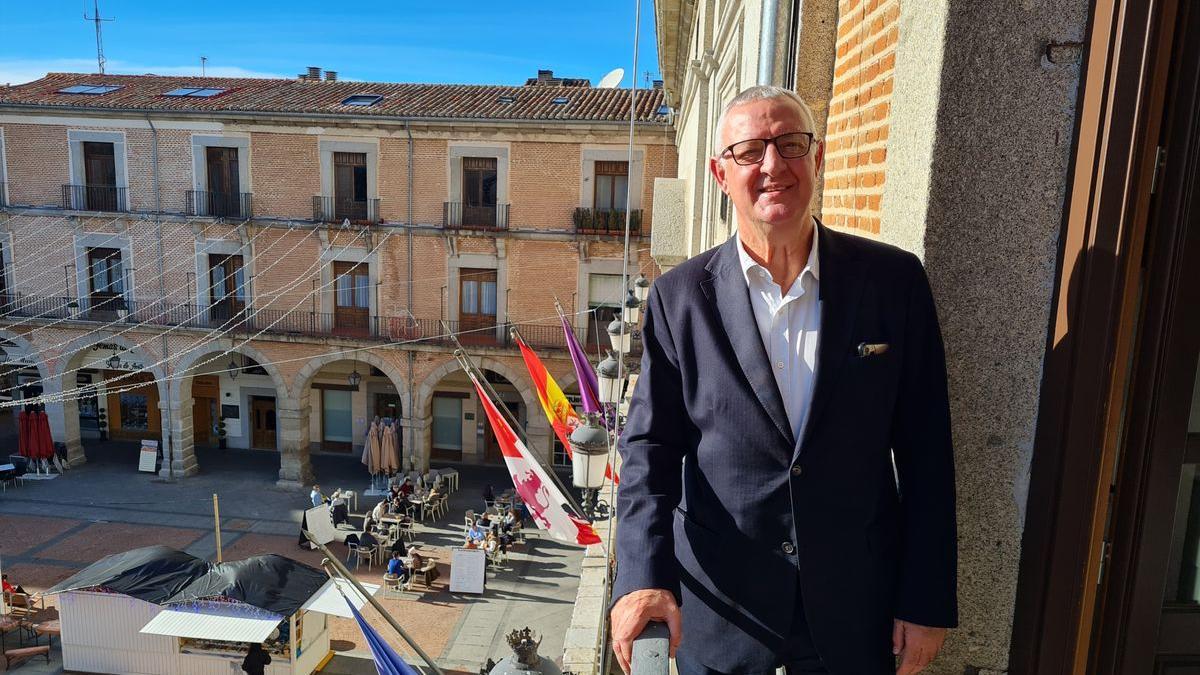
792 145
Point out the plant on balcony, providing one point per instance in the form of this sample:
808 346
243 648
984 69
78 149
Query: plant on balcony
582 218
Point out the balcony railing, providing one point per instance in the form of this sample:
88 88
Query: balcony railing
589 220
392 329
94 198
466 217
219 204
333 210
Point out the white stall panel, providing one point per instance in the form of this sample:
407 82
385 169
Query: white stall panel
100 635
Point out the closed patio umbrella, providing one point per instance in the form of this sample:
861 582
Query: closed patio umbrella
23 438
47 441
371 449
387 457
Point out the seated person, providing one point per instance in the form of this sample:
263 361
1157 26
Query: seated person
396 567
406 488
399 547
475 534
367 540
490 543
339 512
397 505
510 521
485 521
378 512
8 587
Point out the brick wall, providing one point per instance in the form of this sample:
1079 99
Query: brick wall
285 174
857 129
537 272
174 168
38 164
543 185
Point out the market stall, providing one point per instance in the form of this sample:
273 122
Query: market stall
156 610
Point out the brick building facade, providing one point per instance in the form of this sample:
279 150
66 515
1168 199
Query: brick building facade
311 247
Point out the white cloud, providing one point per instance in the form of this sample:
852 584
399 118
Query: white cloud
19 71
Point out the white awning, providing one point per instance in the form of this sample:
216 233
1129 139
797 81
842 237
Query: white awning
214 621
329 601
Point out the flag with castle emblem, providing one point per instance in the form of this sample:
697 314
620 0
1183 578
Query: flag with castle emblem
546 504
560 412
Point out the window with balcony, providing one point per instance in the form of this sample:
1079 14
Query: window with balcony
226 288
477 305
106 285
223 198
352 299
350 185
612 184
479 191
100 177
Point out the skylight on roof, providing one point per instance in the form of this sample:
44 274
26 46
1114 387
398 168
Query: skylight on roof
363 100
560 100
664 109
92 89
196 92
507 99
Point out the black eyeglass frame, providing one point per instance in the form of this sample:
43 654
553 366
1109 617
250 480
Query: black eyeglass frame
770 141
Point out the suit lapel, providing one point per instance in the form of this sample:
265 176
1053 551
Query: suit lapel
840 291
730 298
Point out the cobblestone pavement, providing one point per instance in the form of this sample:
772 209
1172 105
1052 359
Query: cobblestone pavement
52 528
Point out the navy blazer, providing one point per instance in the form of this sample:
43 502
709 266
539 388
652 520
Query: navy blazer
719 504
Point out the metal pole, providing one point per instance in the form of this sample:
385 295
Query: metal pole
332 560
217 522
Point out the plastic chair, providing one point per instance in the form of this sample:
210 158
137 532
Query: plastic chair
364 552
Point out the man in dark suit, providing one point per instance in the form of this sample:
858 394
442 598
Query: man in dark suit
787 492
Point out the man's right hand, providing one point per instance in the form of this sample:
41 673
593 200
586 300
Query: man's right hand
631 614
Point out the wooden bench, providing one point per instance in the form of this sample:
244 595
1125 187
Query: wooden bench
13 657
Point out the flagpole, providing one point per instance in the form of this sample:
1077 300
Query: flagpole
331 559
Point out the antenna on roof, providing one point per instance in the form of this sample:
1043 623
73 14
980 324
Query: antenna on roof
646 75
612 79
203 63
100 60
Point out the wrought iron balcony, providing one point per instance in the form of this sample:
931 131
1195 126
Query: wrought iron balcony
462 216
589 220
95 198
219 204
334 210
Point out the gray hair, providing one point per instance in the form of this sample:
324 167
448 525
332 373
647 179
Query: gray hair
762 92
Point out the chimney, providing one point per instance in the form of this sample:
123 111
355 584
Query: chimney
314 72
331 76
544 75
658 84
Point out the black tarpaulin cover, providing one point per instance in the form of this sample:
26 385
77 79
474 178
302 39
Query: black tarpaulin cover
152 574
165 576
271 582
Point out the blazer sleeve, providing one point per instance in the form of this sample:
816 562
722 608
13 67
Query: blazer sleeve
652 447
921 444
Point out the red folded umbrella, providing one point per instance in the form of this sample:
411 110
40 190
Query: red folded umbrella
23 435
45 442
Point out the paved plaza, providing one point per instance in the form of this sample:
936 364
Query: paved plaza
50 529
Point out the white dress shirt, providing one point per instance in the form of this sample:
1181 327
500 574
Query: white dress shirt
789 325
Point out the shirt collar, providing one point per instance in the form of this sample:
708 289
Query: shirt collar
813 266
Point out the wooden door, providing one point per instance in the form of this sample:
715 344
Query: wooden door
226 289
477 306
262 423
223 199
352 300
100 176
479 192
388 405
350 185
491 446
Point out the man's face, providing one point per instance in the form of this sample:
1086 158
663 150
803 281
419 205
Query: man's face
775 192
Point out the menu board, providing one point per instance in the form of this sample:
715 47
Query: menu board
467 570
148 457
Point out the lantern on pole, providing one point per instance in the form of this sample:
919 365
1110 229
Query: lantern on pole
608 374
619 336
632 308
641 288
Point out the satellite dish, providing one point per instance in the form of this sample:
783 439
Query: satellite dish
612 79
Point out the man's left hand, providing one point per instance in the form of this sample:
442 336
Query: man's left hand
916 645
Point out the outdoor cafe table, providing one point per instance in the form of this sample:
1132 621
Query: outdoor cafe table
49 629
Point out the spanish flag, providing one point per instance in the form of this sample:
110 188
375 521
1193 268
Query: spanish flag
558 409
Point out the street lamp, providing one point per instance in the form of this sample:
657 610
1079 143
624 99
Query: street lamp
234 369
354 378
589 457
632 308
113 362
641 287
618 336
608 372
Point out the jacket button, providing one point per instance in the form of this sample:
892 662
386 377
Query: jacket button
796 470
788 548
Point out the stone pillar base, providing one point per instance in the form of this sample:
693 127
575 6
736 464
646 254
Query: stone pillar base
75 454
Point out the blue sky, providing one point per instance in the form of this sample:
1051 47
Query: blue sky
463 41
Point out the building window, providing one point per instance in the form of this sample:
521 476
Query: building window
351 300
337 420
105 278
479 191
223 198
227 287
4 299
477 303
100 176
350 185
604 301
135 412
447 423
612 185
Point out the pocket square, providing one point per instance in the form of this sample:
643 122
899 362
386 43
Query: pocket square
871 348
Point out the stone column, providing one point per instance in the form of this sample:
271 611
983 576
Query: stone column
423 433
295 464
64 423
179 453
